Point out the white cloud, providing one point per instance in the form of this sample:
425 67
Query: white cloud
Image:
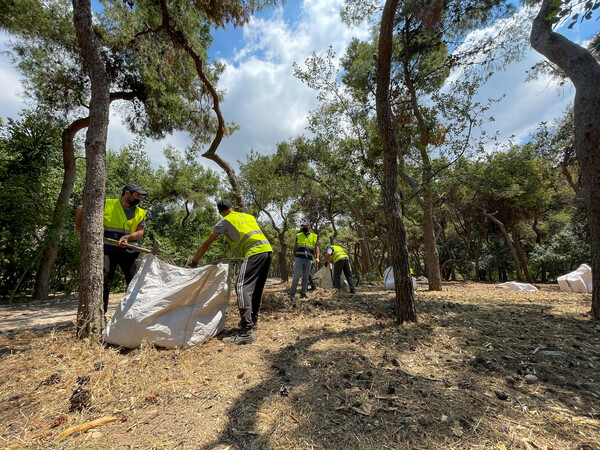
270 105
263 97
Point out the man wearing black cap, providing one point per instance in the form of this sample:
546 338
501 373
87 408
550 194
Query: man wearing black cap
247 241
305 249
124 221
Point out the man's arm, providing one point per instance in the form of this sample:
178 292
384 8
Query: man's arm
138 233
318 252
204 247
78 218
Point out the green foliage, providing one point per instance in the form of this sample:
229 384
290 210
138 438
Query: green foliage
562 253
30 152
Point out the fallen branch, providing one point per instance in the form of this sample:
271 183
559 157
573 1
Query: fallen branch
86 426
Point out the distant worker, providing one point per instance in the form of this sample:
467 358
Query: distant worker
124 221
247 241
305 249
341 262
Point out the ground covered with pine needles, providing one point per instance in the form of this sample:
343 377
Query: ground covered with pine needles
482 368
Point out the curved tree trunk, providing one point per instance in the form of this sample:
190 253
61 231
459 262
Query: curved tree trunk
179 38
522 258
584 71
90 318
42 279
396 234
511 246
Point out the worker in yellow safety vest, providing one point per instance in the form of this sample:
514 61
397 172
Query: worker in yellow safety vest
305 250
247 241
124 222
341 262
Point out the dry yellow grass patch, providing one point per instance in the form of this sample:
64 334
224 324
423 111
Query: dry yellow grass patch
481 369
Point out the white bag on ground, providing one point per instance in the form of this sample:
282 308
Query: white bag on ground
170 306
514 286
388 279
579 280
324 278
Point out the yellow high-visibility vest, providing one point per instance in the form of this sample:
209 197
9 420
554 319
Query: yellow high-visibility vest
338 253
306 245
251 240
115 220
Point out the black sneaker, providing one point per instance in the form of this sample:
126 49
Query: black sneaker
242 338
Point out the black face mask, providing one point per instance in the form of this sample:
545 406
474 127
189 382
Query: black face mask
133 201
305 229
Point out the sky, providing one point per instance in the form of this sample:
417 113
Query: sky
270 105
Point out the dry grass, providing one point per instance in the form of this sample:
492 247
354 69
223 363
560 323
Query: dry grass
333 372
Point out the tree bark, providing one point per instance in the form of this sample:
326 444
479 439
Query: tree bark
90 317
52 240
367 261
522 258
509 242
405 305
42 279
432 257
584 72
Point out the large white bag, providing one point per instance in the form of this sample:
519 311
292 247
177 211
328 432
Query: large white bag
388 279
579 280
324 278
170 306
516 287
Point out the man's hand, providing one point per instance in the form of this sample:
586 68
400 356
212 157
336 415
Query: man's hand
317 260
123 240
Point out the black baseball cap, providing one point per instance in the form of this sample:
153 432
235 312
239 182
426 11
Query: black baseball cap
133 188
224 205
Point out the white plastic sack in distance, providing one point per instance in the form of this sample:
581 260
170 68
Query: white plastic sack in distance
579 280
388 279
170 306
514 286
324 278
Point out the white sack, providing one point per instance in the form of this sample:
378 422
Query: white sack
324 278
170 306
579 280
517 287
388 279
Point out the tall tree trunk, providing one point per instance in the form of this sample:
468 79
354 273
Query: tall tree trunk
432 257
367 260
396 234
584 72
42 279
522 258
90 318
511 246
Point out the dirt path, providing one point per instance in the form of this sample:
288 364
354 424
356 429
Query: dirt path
41 315
38 316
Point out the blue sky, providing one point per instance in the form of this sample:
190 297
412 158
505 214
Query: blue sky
271 106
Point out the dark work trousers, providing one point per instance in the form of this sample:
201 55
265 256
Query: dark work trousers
343 264
250 285
129 263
